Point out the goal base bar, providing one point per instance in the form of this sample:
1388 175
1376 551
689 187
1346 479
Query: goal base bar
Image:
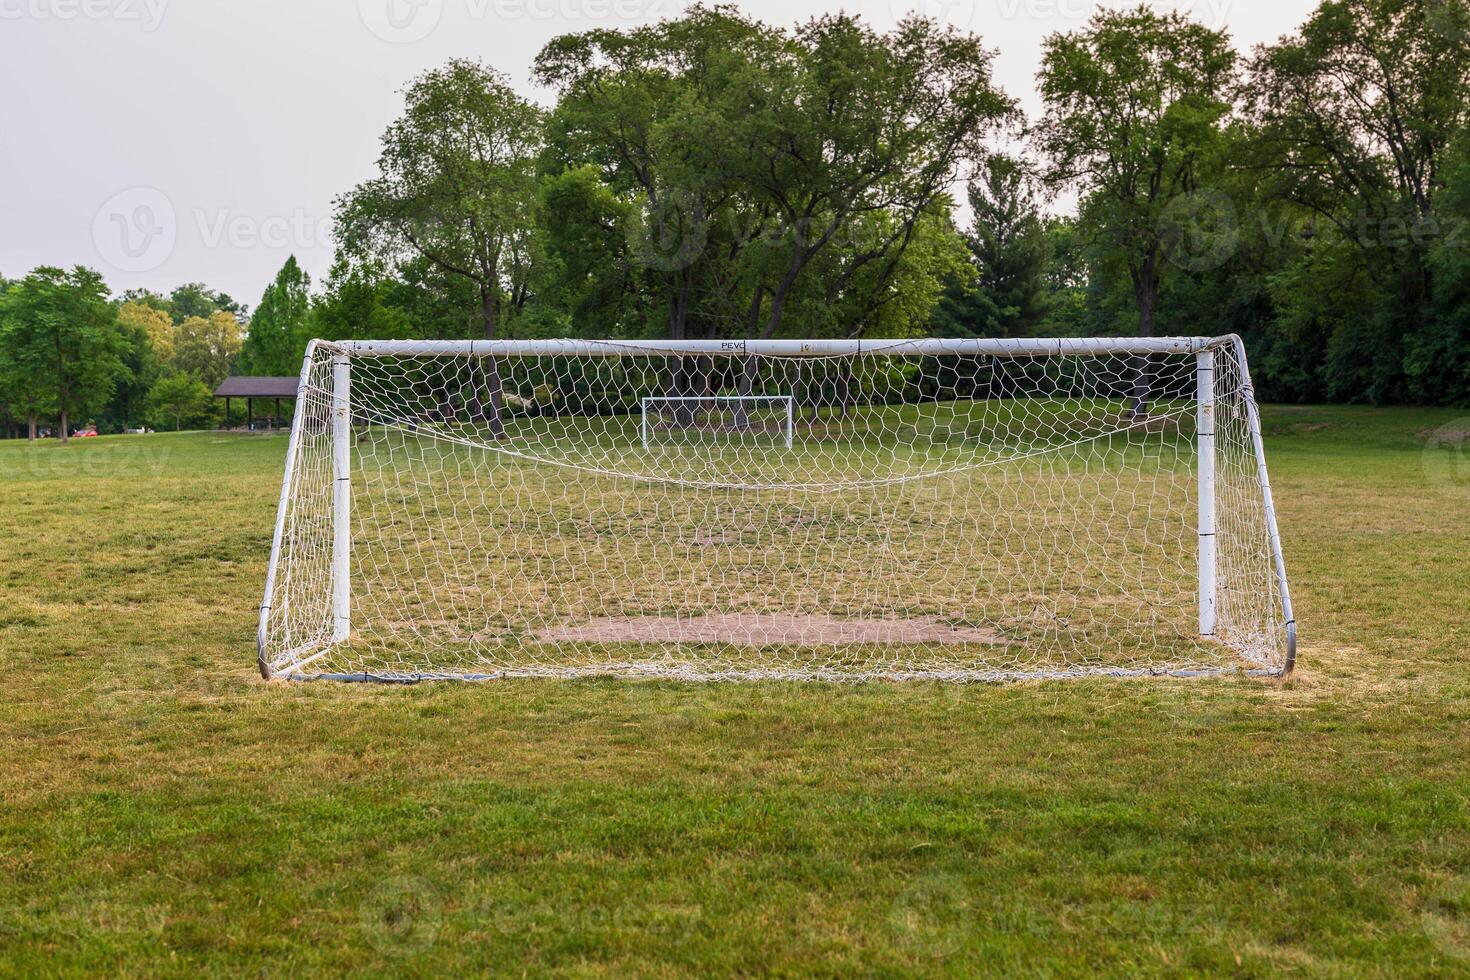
664 674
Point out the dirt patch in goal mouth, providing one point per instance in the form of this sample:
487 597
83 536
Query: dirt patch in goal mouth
769 629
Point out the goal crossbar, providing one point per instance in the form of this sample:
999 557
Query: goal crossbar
923 347
327 417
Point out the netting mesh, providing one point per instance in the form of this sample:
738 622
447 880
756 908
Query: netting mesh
964 517
685 420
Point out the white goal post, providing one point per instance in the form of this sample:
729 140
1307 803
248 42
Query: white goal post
946 509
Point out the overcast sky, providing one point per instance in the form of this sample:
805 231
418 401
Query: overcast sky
171 141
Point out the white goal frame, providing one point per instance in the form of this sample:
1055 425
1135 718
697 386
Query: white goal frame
293 664
788 431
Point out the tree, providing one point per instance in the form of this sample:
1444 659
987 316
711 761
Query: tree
21 397
1002 290
359 301
1355 116
870 134
456 189
1439 360
754 159
881 300
658 111
206 347
147 349
25 394
772 180
155 324
277 335
197 300
1068 279
1134 106
177 397
585 271
60 331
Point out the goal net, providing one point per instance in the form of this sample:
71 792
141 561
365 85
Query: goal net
678 419
948 509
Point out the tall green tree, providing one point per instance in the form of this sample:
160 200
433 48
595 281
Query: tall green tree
896 299
360 301
148 348
866 136
456 189
1068 278
277 333
656 110
152 322
1439 360
758 159
21 398
1002 290
1135 103
195 299
180 397
207 348
585 272
1356 114
776 181
25 396
63 346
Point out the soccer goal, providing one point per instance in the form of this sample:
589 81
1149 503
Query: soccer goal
825 510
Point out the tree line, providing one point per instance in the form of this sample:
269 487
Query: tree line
71 354
711 176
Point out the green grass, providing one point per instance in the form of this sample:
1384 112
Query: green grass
166 812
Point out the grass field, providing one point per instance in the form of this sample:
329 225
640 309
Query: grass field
167 812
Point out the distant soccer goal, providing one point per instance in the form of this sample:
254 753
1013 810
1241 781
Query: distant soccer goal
964 510
677 419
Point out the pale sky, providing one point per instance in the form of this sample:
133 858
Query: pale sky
172 141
